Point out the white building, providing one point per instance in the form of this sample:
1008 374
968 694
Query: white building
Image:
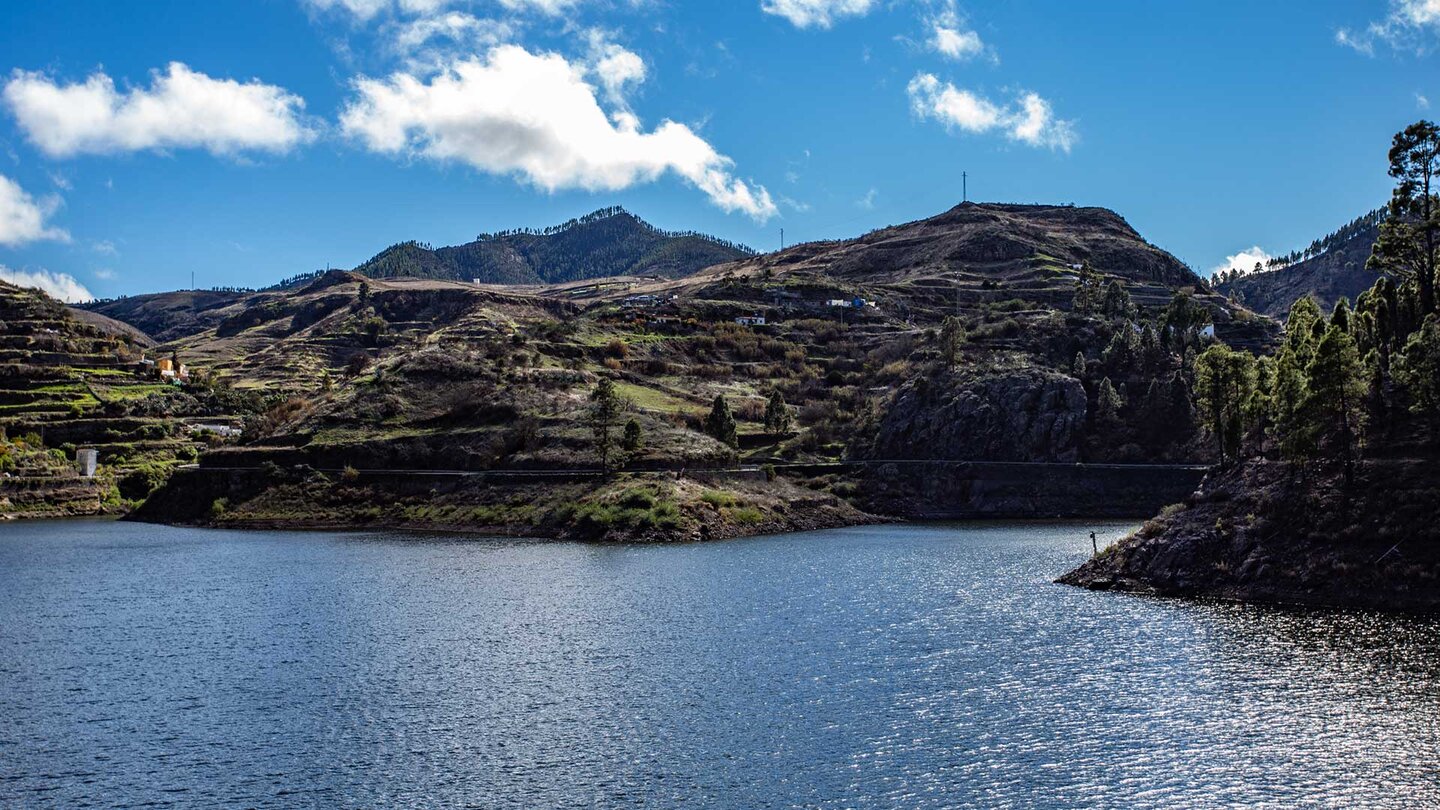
87 460
751 320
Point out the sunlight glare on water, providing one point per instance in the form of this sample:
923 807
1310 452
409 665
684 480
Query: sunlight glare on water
916 666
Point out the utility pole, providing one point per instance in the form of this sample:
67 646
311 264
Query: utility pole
192 279
964 187
782 238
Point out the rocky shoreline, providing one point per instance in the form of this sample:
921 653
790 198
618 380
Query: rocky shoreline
1278 533
631 508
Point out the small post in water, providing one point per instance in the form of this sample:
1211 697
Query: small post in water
1094 545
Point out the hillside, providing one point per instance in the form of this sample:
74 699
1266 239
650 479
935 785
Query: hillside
71 379
491 383
609 242
1327 276
168 315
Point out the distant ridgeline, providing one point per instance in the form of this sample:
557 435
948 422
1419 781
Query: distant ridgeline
608 242
1330 268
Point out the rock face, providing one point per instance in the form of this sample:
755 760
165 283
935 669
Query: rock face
1270 532
1025 415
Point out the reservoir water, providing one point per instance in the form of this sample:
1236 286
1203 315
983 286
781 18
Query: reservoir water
890 666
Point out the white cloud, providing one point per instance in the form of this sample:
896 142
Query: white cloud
950 37
550 7
181 109
365 10
615 67
1410 25
1029 120
456 26
1422 101
22 217
60 285
817 13
956 43
535 117
1244 261
105 274
867 202
105 247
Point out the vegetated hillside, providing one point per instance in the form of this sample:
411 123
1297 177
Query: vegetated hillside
1326 491
168 315
71 380
971 349
1327 274
609 242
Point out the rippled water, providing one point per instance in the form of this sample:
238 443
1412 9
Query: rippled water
896 666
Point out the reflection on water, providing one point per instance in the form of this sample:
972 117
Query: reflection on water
916 666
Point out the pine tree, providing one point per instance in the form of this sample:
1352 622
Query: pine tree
1299 328
1079 367
1410 235
1117 302
777 414
1418 370
1108 404
1340 316
605 408
1334 404
1224 382
1088 291
633 439
1120 355
720 423
1287 402
952 339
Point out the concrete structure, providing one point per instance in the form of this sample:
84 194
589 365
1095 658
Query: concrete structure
87 460
751 320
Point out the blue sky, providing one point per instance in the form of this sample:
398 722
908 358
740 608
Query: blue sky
249 140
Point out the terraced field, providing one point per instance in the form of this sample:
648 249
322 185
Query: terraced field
68 383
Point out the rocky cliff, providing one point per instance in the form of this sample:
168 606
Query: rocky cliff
1023 415
1272 532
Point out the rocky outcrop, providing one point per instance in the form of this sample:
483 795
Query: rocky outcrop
1271 532
1024 415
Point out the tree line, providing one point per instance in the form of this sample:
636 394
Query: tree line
1364 379
607 213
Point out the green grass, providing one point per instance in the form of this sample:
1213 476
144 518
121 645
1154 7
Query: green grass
650 399
719 499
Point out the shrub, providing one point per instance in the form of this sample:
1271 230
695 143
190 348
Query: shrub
745 515
718 498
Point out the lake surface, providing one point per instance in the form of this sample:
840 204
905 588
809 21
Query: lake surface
894 666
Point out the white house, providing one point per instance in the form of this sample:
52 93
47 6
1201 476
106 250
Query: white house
751 320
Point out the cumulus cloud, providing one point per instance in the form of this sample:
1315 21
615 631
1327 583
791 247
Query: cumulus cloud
181 109
536 117
1410 25
816 13
1244 261
614 67
59 285
23 218
950 37
1029 120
